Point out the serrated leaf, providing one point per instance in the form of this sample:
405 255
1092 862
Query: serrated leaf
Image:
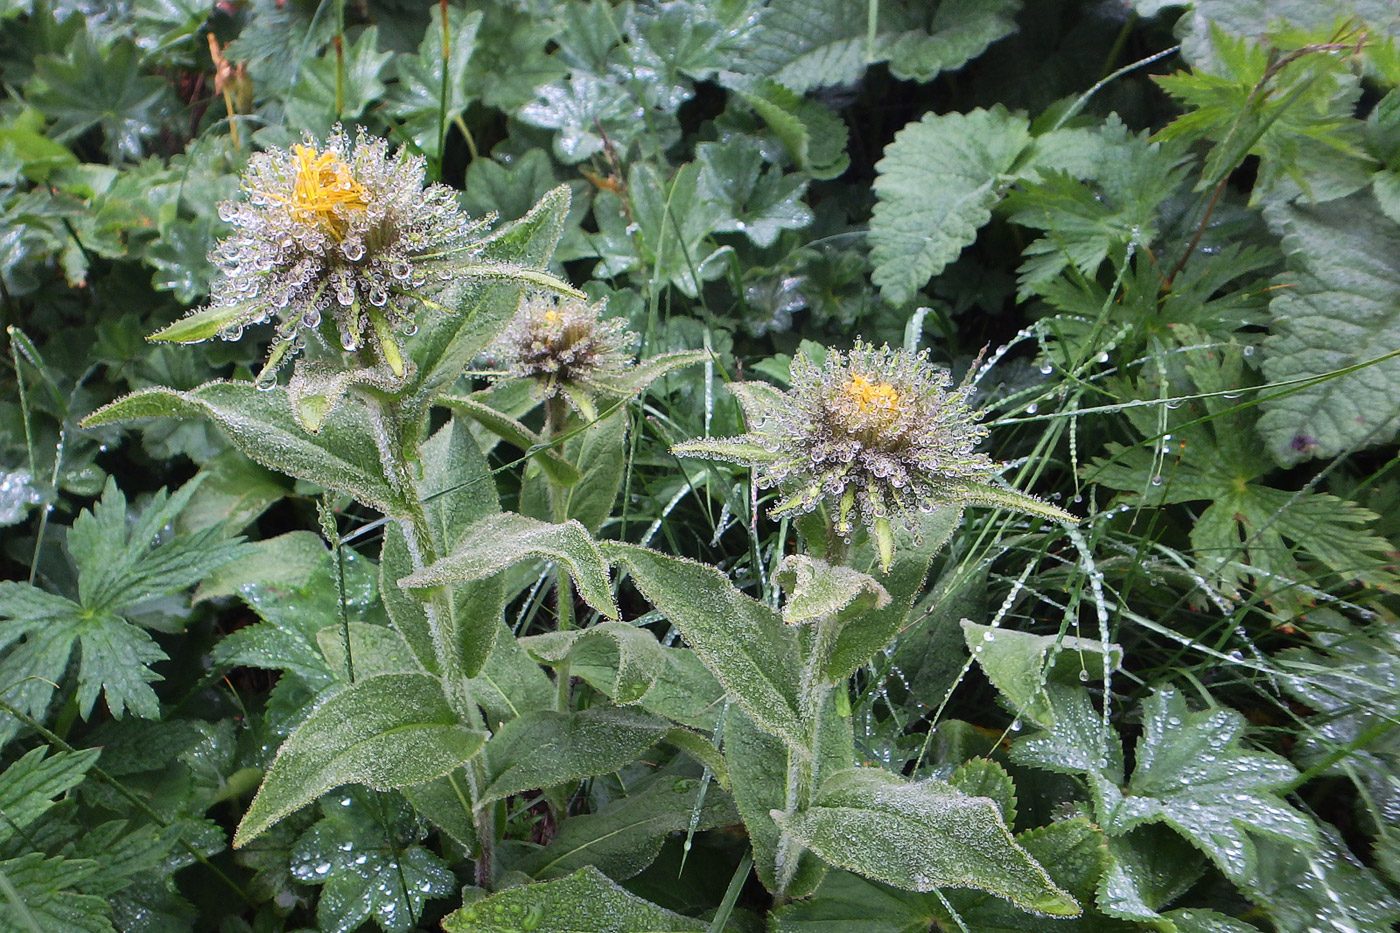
263 424
740 640
28 786
287 560
498 541
363 854
584 902
760 204
543 748
384 732
338 85
624 837
1019 664
814 136
920 836
1338 306
46 899
936 186
982 777
1148 868
417 98
632 655
960 31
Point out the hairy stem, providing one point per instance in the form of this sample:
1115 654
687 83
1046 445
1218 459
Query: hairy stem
556 415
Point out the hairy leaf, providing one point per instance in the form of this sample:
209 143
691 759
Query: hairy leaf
632 656
584 902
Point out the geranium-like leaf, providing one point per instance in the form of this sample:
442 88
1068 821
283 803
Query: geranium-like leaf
1019 664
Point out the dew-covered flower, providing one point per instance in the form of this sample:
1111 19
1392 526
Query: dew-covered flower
874 433
566 347
345 231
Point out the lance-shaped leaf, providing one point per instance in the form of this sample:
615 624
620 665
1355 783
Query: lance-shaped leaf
739 639
446 343
544 748
633 656
203 324
920 836
263 425
624 837
585 902
515 432
637 378
384 732
1019 664
498 541
815 589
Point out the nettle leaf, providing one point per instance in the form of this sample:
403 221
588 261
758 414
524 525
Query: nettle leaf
632 656
416 100
739 639
813 135
499 541
1337 306
364 853
585 902
624 837
960 31
1019 664
384 732
920 836
90 86
264 425
543 748
936 186
338 86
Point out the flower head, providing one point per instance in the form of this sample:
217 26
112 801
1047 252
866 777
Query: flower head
565 345
346 230
876 433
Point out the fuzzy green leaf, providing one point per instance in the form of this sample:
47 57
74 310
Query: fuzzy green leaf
584 902
543 748
632 655
498 541
264 425
936 186
1019 663
815 589
385 732
920 836
516 433
624 837
741 641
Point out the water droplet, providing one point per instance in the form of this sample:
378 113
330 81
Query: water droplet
1083 676
1248 351
1156 480
1031 408
1046 368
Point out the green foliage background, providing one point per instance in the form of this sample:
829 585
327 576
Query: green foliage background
1163 238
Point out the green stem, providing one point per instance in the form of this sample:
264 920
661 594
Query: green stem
556 416
389 424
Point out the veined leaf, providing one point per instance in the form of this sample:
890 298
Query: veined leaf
384 732
584 902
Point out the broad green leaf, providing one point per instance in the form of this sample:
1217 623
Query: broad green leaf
741 641
936 186
631 655
1019 664
584 902
447 803
498 541
338 86
374 650
624 837
316 389
1336 307
405 609
446 344
385 732
543 748
1148 868
982 777
760 204
44 896
200 325
815 589
28 786
601 456
1192 775
363 852
264 426
232 494
848 903
685 691
1198 920
511 683
921 836
1301 888
960 31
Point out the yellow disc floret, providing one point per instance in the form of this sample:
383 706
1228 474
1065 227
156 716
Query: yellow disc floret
324 186
873 398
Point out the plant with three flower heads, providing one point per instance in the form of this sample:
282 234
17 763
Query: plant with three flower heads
877 433
344 233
